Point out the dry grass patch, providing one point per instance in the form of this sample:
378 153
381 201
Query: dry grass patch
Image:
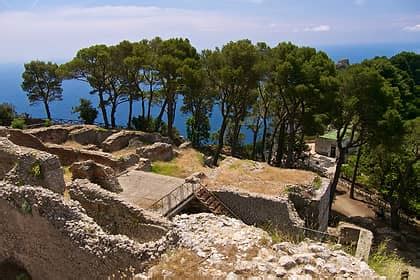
185 164
124 152
180 264
67 174
258 177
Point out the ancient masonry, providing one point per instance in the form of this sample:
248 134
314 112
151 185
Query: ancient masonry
85 230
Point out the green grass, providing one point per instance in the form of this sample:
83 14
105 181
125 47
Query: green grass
387 263
317 183
166 168
278 236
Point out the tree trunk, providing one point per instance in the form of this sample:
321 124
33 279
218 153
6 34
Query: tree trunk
254 142
170 116
264 135
221 138
47 109
130 112
149 107
143 108
354 178
290 143
103 109
113 111
280 145
273 137
336 178
160 116
235 139
395 215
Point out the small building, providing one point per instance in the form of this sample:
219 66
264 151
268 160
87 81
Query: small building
326 144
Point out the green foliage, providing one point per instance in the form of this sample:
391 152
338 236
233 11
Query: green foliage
317 182
36 170
42 82
26 208
86 111
18 123
48 123
7 114
166 168
387 263
147 124
198 131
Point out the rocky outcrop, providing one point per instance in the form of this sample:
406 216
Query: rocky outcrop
121 139
21 166
90 134
96 173
157 151
55 239
229 249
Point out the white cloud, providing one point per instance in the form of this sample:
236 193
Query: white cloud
414 28
319 28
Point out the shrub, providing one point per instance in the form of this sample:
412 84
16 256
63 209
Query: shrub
7 114
387 263
36 170
317 182
48 123
86 111
26 207
18 123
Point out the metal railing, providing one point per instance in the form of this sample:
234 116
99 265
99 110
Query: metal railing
174 198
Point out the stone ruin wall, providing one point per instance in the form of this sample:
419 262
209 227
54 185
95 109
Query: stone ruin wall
260 210
287 214
115 215
21 165
55 239
313 207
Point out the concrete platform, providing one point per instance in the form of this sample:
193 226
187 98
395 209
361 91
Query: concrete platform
145 188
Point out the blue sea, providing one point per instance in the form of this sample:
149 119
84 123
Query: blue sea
10 91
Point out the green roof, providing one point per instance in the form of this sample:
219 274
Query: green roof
332 135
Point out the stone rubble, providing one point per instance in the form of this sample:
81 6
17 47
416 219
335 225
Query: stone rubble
232 250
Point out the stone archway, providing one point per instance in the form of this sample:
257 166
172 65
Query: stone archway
12 270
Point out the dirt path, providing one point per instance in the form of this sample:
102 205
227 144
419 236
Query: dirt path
350 207
145 188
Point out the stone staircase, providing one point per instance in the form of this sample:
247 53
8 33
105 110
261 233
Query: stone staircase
211 201
173 203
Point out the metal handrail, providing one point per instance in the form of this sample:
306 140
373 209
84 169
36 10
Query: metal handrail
175 195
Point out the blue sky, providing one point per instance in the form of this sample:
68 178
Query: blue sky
55 30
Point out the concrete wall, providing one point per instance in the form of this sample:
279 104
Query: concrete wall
260 210
55 239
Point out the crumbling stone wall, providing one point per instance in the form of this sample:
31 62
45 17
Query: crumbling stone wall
261 210
55 239
56 134
120 140
116 215
21 138
21 165
90 134
312 204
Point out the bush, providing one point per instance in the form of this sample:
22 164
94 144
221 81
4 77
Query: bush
387 263
18 123
7 114
86 111
48 123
